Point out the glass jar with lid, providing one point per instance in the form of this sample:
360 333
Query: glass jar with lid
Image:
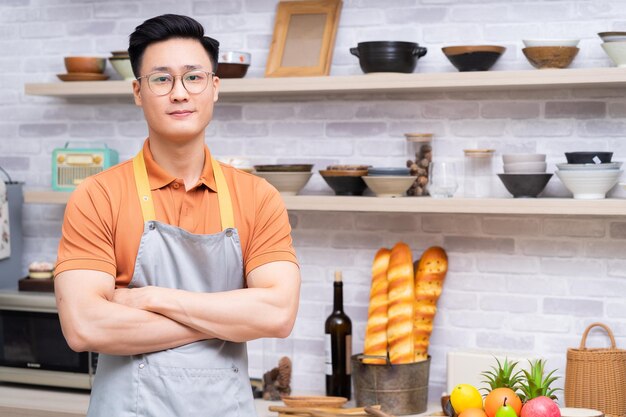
421 156
478 175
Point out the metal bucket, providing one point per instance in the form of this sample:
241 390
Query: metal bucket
399 389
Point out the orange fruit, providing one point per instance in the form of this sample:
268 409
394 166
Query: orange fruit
473 412
495 399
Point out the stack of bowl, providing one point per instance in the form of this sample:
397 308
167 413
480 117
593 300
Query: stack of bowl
84 68
589 175
345 179
121 62
389 181
525 174
550 53
288 179
615 46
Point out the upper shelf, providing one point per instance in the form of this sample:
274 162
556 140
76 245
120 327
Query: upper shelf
542 206
366 83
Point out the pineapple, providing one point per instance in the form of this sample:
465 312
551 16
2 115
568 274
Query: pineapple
502 376
536 384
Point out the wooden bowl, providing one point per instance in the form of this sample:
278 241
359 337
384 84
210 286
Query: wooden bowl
85 64
542 57
314 401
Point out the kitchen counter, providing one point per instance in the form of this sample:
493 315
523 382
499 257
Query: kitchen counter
27 401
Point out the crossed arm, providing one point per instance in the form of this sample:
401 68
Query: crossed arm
95 316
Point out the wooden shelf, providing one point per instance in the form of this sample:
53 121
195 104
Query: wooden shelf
366 83
540 206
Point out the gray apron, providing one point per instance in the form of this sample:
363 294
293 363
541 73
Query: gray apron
201 379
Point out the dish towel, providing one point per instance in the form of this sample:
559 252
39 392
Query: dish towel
5 234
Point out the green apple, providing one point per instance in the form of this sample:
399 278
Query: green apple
506 410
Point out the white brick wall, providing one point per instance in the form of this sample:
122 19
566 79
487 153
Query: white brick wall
525 283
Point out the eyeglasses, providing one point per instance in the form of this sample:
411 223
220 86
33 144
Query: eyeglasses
162 83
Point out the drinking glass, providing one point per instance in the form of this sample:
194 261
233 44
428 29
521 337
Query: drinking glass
442 181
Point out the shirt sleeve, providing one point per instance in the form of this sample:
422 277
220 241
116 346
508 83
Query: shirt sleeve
270 239
86 238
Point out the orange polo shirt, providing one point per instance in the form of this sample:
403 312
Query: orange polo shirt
103 222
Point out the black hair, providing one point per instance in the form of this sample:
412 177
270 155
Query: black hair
166 27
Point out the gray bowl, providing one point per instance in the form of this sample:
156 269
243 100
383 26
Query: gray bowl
525 185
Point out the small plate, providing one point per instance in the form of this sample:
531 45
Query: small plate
587 167
82 76
314 401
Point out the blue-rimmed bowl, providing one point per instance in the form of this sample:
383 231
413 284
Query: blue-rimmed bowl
394 171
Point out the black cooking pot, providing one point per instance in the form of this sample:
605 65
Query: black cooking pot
388 56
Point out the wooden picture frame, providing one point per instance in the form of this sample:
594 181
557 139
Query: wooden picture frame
304 38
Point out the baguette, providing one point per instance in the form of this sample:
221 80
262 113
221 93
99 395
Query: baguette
376 331
401 305
429 276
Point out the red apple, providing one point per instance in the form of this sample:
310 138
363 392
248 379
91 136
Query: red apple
541 407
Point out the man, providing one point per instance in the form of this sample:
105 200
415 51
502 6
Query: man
169 262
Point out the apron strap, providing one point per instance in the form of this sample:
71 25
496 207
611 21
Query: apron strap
227 217
143 188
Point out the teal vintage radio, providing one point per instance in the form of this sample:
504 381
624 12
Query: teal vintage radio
71 165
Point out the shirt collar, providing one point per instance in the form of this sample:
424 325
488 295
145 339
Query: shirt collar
159 177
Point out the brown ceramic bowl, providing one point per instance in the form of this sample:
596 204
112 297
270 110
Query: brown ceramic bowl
543 57
347 168
85 64
473 57
231 70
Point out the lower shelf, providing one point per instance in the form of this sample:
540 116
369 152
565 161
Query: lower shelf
553 206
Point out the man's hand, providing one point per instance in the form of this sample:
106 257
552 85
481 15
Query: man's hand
139 298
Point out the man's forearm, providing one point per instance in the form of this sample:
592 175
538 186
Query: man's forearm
238 315
122 330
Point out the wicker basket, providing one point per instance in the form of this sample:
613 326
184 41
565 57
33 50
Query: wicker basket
596 378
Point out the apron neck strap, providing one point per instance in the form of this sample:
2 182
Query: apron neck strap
142 183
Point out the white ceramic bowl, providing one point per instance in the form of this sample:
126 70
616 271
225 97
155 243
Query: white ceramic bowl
123 67
389 185
287 183
523 157
525 167
589 185
616 51
580 412
529 43
612 36
589 167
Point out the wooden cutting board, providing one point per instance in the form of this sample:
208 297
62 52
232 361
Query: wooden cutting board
327 411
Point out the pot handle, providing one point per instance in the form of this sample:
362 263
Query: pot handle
355 52
419 51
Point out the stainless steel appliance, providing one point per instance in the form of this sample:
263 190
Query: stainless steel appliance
32 347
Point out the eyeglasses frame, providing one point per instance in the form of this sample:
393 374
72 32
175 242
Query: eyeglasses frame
212 74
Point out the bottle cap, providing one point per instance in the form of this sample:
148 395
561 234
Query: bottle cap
337 276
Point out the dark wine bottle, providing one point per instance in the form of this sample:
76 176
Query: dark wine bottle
338 329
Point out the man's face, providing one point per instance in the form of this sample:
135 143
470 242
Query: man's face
178 116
